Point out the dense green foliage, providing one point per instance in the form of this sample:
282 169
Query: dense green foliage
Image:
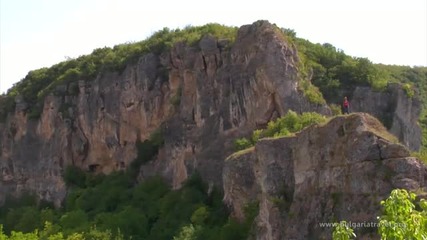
38 83
121 209
312 92
410 77
343 231
287 125
49 233
404 217
334 72
401 218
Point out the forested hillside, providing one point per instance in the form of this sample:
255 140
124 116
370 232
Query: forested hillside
123 206
115 207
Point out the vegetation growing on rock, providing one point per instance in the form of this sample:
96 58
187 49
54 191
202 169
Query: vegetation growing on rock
41 82
284 126
326 72
151 210
336 73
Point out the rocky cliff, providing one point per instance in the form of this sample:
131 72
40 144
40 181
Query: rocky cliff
202 97
393 106
337 171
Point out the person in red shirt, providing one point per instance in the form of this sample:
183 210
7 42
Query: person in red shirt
346 106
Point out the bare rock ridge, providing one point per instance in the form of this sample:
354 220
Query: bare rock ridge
338 171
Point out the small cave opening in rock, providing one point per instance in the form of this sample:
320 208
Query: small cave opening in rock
93 168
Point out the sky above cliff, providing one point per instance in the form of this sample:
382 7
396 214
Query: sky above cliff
40 33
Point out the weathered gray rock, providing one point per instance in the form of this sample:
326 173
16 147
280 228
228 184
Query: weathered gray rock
242 185
339 171
204 97
394 108
20 104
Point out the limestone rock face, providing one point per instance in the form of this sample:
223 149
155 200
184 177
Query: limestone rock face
395 109
338 171
202 97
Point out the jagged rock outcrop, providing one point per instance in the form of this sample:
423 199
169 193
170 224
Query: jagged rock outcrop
394 108
338 171
202 97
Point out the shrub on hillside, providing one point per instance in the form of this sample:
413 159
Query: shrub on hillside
287 125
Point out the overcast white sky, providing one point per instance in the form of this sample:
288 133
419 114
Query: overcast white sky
40 33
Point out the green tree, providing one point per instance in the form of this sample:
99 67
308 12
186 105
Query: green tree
200 215
187 233
401 219
74 221
2 235
242 143
74 176
343 232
